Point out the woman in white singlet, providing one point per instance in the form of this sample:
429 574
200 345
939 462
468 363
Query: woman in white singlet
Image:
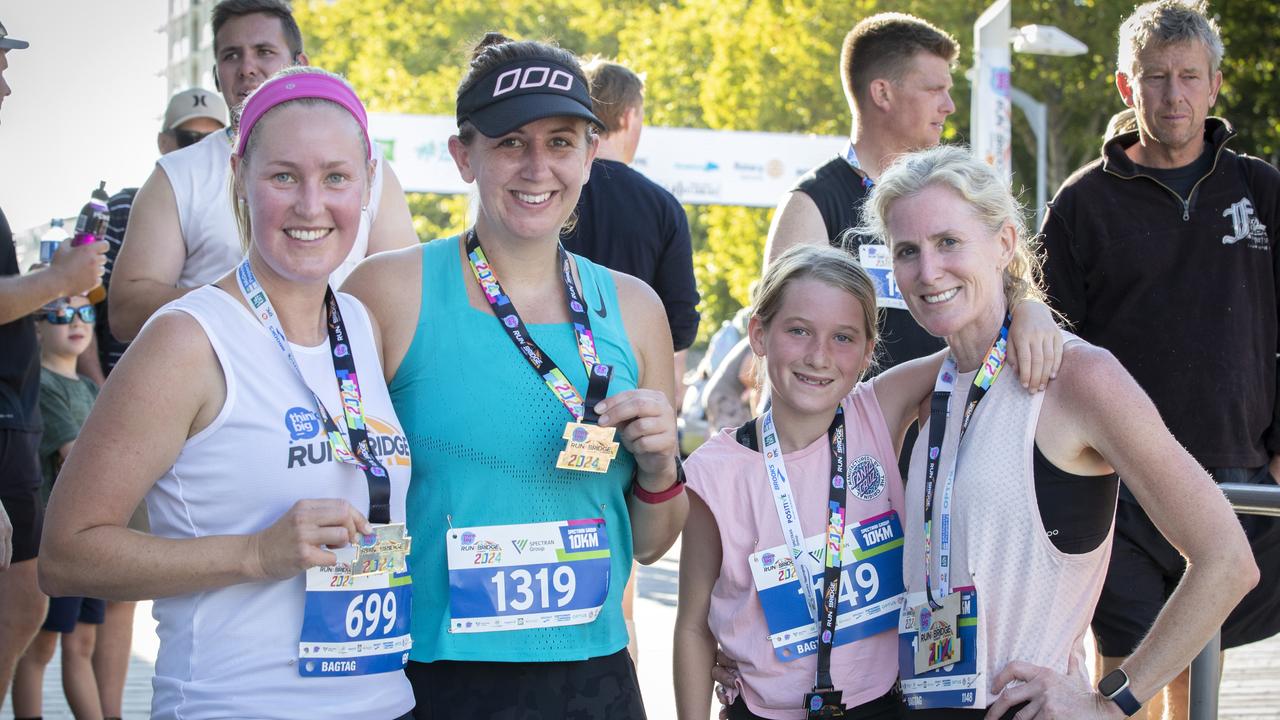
998 599
253 416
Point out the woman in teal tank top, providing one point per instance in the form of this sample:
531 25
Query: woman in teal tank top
535 390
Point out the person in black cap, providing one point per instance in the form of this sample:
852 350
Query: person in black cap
74 270
525 541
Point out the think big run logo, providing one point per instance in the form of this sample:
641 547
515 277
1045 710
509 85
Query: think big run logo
309 444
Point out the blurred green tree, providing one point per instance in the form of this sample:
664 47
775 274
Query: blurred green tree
768 65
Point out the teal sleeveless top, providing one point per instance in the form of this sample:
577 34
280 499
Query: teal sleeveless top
484 432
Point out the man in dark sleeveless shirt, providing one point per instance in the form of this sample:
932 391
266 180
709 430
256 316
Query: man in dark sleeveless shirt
896 72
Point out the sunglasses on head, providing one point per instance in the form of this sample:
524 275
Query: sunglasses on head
186 138
65 314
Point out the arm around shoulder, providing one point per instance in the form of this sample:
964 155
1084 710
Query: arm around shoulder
151 258
390 286
901 389
797 221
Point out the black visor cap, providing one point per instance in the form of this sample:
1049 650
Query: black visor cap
522 91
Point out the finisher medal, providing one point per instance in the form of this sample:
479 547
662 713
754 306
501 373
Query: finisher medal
590 448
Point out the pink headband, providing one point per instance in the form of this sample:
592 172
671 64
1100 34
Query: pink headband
294 87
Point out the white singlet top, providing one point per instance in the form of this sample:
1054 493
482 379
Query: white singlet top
1034 601
232 652
200 178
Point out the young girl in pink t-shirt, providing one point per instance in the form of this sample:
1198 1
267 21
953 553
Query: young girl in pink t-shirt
773 489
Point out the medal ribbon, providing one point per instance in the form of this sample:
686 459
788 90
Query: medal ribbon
939 412
598 374
784 502
344 368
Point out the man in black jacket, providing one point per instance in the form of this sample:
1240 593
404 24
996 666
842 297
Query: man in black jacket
1163 251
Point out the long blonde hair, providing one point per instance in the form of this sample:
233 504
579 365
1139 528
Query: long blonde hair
954 167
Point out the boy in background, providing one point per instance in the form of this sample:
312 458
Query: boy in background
65 328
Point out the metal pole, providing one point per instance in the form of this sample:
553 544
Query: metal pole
1203 687
1205 669
1253 499
1038 117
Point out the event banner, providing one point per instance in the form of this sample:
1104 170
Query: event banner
699 167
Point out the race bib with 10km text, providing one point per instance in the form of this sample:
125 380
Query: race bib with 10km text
535 575
871 590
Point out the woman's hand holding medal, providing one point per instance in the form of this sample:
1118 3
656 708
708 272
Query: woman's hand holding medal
647 426
301 537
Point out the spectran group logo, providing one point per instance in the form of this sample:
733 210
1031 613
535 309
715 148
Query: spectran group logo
301 423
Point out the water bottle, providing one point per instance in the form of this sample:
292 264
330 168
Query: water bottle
91 226
51 239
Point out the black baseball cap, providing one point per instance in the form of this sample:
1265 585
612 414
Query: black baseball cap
520 91
8 43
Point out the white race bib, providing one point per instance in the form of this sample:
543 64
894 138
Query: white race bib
536 575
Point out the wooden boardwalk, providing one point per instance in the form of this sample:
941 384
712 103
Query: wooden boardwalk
1250 685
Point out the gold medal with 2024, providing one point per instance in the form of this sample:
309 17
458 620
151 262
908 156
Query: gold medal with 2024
588 448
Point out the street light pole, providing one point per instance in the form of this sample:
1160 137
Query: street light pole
993 95
1038 117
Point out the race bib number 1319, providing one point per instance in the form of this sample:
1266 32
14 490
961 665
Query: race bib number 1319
516 577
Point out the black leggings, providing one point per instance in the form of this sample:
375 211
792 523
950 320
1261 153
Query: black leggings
602 688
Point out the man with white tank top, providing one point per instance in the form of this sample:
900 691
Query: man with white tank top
182 230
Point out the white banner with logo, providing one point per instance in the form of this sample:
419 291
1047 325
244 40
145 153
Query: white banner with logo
991 115
699 167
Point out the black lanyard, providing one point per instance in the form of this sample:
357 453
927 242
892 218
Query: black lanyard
358 452
834 561
939 411
344 368
598 374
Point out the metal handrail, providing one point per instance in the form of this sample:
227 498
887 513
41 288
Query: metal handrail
1202 693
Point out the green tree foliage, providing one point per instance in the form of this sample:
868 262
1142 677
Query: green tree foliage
769 65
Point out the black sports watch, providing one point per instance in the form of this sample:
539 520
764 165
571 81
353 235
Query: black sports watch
1115 687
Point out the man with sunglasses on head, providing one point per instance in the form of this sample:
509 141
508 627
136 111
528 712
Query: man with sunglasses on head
182 231
73 270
